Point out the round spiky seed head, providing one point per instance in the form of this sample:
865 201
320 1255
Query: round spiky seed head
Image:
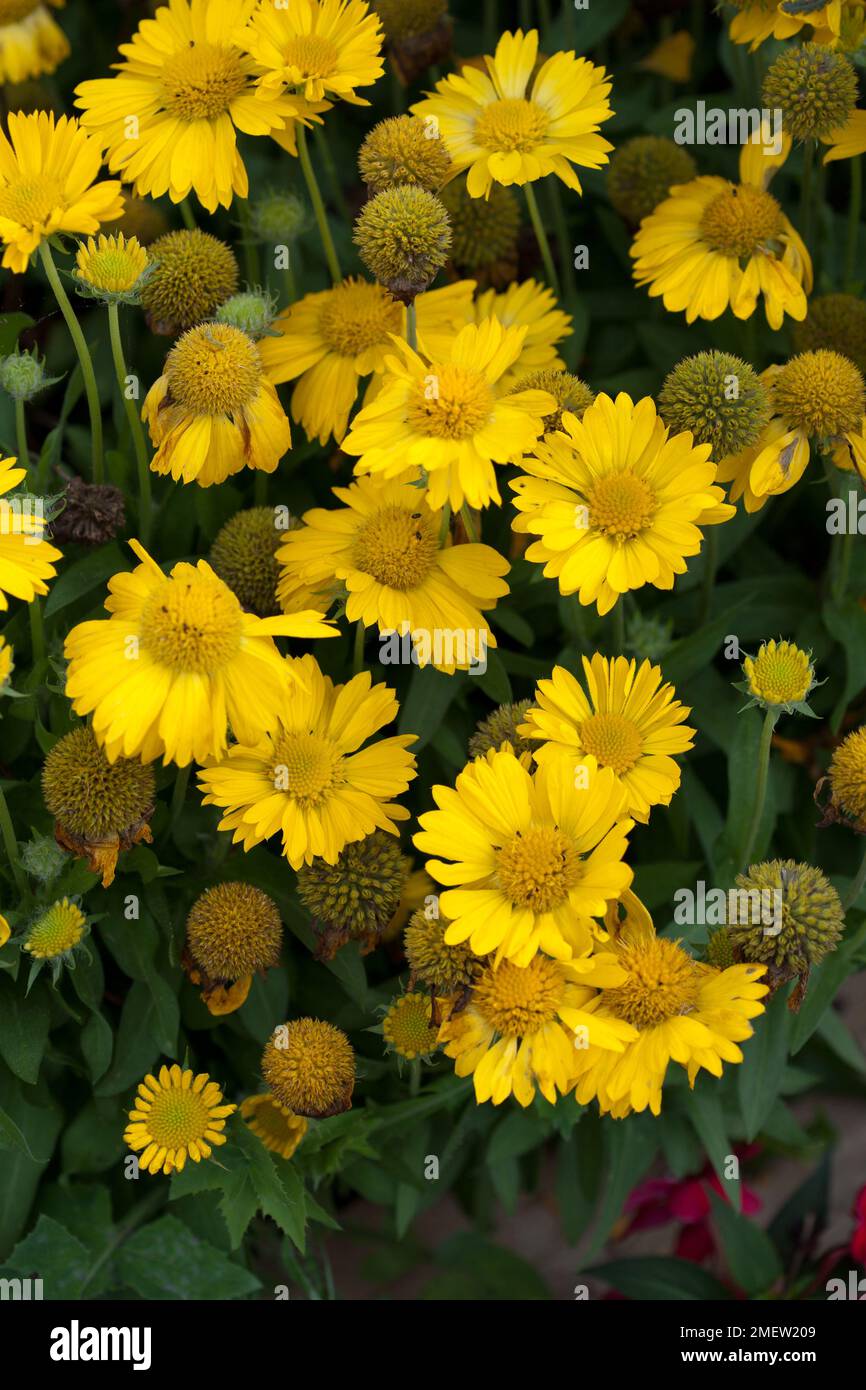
252 311
643 171
445 968
279 219
243 555
90 796
402 150
403 236
484 231
570 393
408 19
848 776
21 375
359 894
814 87
501 727
408 1027
309 1066
233 930
789 915
194 273
720 950
719 399
836 322
821 393
93 513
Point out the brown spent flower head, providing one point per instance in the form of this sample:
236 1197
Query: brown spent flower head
309 1066
444 968
93 513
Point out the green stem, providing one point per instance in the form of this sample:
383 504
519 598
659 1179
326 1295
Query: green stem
318 207
260 488
468 525
770 719
7 830
711 560
412 326
564 242
186 213
618 624
84 358
21 434
37 632
857 885
358 656
178 796
541 238
142 461
855 208
805 228
320 140
843 567
252 263
414 1076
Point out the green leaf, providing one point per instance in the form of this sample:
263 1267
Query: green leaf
429 696
846 620
54 1255
90 572
476 1269
824 981
751 1255
24 1024
630 1150
766 1054
706 1114
494 681
165 1261
655 1277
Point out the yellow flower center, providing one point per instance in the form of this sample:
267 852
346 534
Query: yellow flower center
537 869
517 1003
214 369
396 547
177 1118
357 316
407 1026
620 505
310 1067
191 623
612 740
739 222
450 402
662 983
781 674
310 55
821 393
113 264
848 775
31 201
57 931
200 82
511 124
306 767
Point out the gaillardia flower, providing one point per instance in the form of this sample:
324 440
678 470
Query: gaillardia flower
48 173
278 1127
757 20
54 936
331 339
168 121
31 43
502 728
836 322
814 88
403 237
521 1027
642 173
570 393
409 1028
484 232
111 268
252 311
176 1116
233 930
319 49
244 556
616 501
627 719
779 677
532 857
442 967
385 551
714 245
720 399
789 916
400 150
26 560
7 662
213 411
193 274
526 304
308 778
847 776
446 418
682 1009
177 662
354 898
513 124
309 1066
99 807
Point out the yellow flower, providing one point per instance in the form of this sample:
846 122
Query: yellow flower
672 57
532 306
7 664
385 547
683 1011
521 1027
781 674
408 1027
175 1117
186 85
847 776
627 720
57 932
48 173
535 856
714 244
309 1065
213 411
447 418
309 778
757 20
849 140
26 560
111 264
31 44
506 126
278 1127
177 662
616 501
329 340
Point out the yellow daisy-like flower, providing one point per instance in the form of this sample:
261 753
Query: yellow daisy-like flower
757 20
309 779
176 1116
26 560
330 340
781 674
278 1127
506 126
683 1011
447 418
849 140
535 856
408 1027
111 264
48 173
714 244
177 662
532 306
817 396
7 663
168 121
626 719
31 44
56 932
616 501
213 411
522 1027
385 547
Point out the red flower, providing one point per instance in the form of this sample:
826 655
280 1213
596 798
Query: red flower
659 1201
858 1239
